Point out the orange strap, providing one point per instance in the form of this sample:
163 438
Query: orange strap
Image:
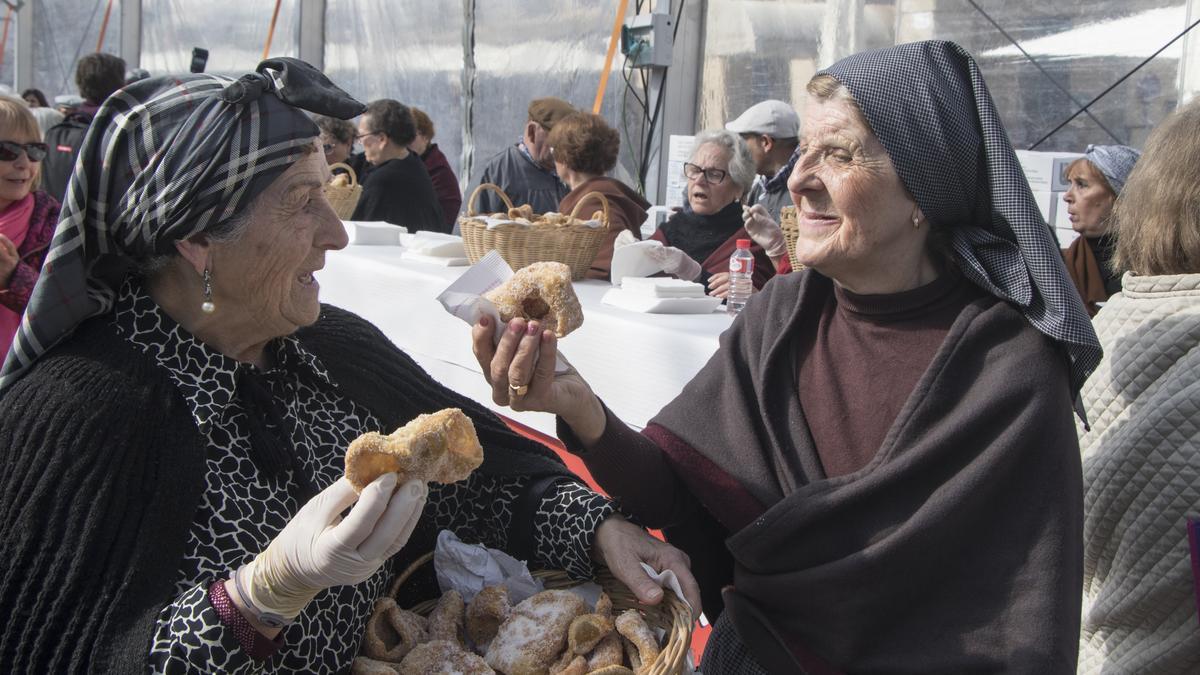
608 59
104 25
271 30
4 37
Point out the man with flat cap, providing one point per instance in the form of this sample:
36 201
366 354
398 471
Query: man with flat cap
770 129
525 171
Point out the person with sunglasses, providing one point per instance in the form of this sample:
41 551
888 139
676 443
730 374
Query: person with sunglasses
698 241
27 215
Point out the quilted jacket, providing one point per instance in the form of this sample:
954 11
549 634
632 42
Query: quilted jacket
1141 466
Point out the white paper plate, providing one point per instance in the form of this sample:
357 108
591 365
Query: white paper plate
374 233
641 303
632 260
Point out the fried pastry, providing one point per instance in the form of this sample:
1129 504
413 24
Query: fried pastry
340 179
604 606
446 620
365 666
633 627
569 664
523 211
608 653
441 447
587 631
442 657
540 292
392 632
486 611
535 634
612 670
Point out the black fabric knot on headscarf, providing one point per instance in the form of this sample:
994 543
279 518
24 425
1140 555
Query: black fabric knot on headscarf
296 83
271 448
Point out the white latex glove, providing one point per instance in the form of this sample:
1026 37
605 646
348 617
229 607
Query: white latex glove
764 230
319 549
675 262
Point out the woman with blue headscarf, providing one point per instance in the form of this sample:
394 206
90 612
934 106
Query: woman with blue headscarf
878 469
1096 181
175 410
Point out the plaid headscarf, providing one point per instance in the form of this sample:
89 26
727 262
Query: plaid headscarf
930 108
166 159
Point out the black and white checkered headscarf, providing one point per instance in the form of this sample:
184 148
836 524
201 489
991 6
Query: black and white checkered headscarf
166 159
930 108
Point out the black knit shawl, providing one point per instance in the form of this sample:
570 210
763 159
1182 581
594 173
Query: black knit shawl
697 235
103 469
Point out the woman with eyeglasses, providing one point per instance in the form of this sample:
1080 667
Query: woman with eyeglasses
27 216
398 190
700 239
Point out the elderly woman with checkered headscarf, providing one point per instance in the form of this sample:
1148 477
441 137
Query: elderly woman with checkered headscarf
878 469
175 409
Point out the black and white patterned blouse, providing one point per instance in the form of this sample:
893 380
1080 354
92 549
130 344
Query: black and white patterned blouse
242 509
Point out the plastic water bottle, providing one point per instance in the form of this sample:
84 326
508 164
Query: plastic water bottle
741 273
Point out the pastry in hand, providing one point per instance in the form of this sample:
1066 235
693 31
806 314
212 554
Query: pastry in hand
540 292
442 657
440 447
535 634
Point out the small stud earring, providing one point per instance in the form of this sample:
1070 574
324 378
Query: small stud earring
916 221
207 306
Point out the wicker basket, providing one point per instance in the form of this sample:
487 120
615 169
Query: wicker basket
791 232
672 614
343 198
574 244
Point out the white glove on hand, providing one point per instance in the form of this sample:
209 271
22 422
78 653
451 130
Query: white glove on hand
764 230
675 262
319 549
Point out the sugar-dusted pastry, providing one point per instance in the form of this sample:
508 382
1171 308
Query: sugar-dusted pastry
612 670
633 627
441 447
608 653
569 664
604 606
631 653
540 292
446 620
362 665
523 211
487 610
442 657
392 632
586 631
535 634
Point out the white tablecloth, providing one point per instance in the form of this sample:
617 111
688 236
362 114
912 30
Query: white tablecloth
635 362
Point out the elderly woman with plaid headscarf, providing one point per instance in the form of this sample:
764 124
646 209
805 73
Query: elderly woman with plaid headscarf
175 410
878 469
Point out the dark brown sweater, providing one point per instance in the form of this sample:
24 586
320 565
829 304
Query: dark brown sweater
858 364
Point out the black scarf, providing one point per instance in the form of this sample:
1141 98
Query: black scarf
697 235
1103 247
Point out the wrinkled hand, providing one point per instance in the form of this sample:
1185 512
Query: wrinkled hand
8 260
319 549
675 262
764 230
525 357
621 546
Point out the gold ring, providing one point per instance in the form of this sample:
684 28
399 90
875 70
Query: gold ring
518 390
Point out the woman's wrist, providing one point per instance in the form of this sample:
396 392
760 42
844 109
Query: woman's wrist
243 607
588 420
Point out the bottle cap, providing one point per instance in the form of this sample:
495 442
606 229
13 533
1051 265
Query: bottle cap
743 243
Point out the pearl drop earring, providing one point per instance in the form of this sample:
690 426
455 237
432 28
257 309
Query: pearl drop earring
207 306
